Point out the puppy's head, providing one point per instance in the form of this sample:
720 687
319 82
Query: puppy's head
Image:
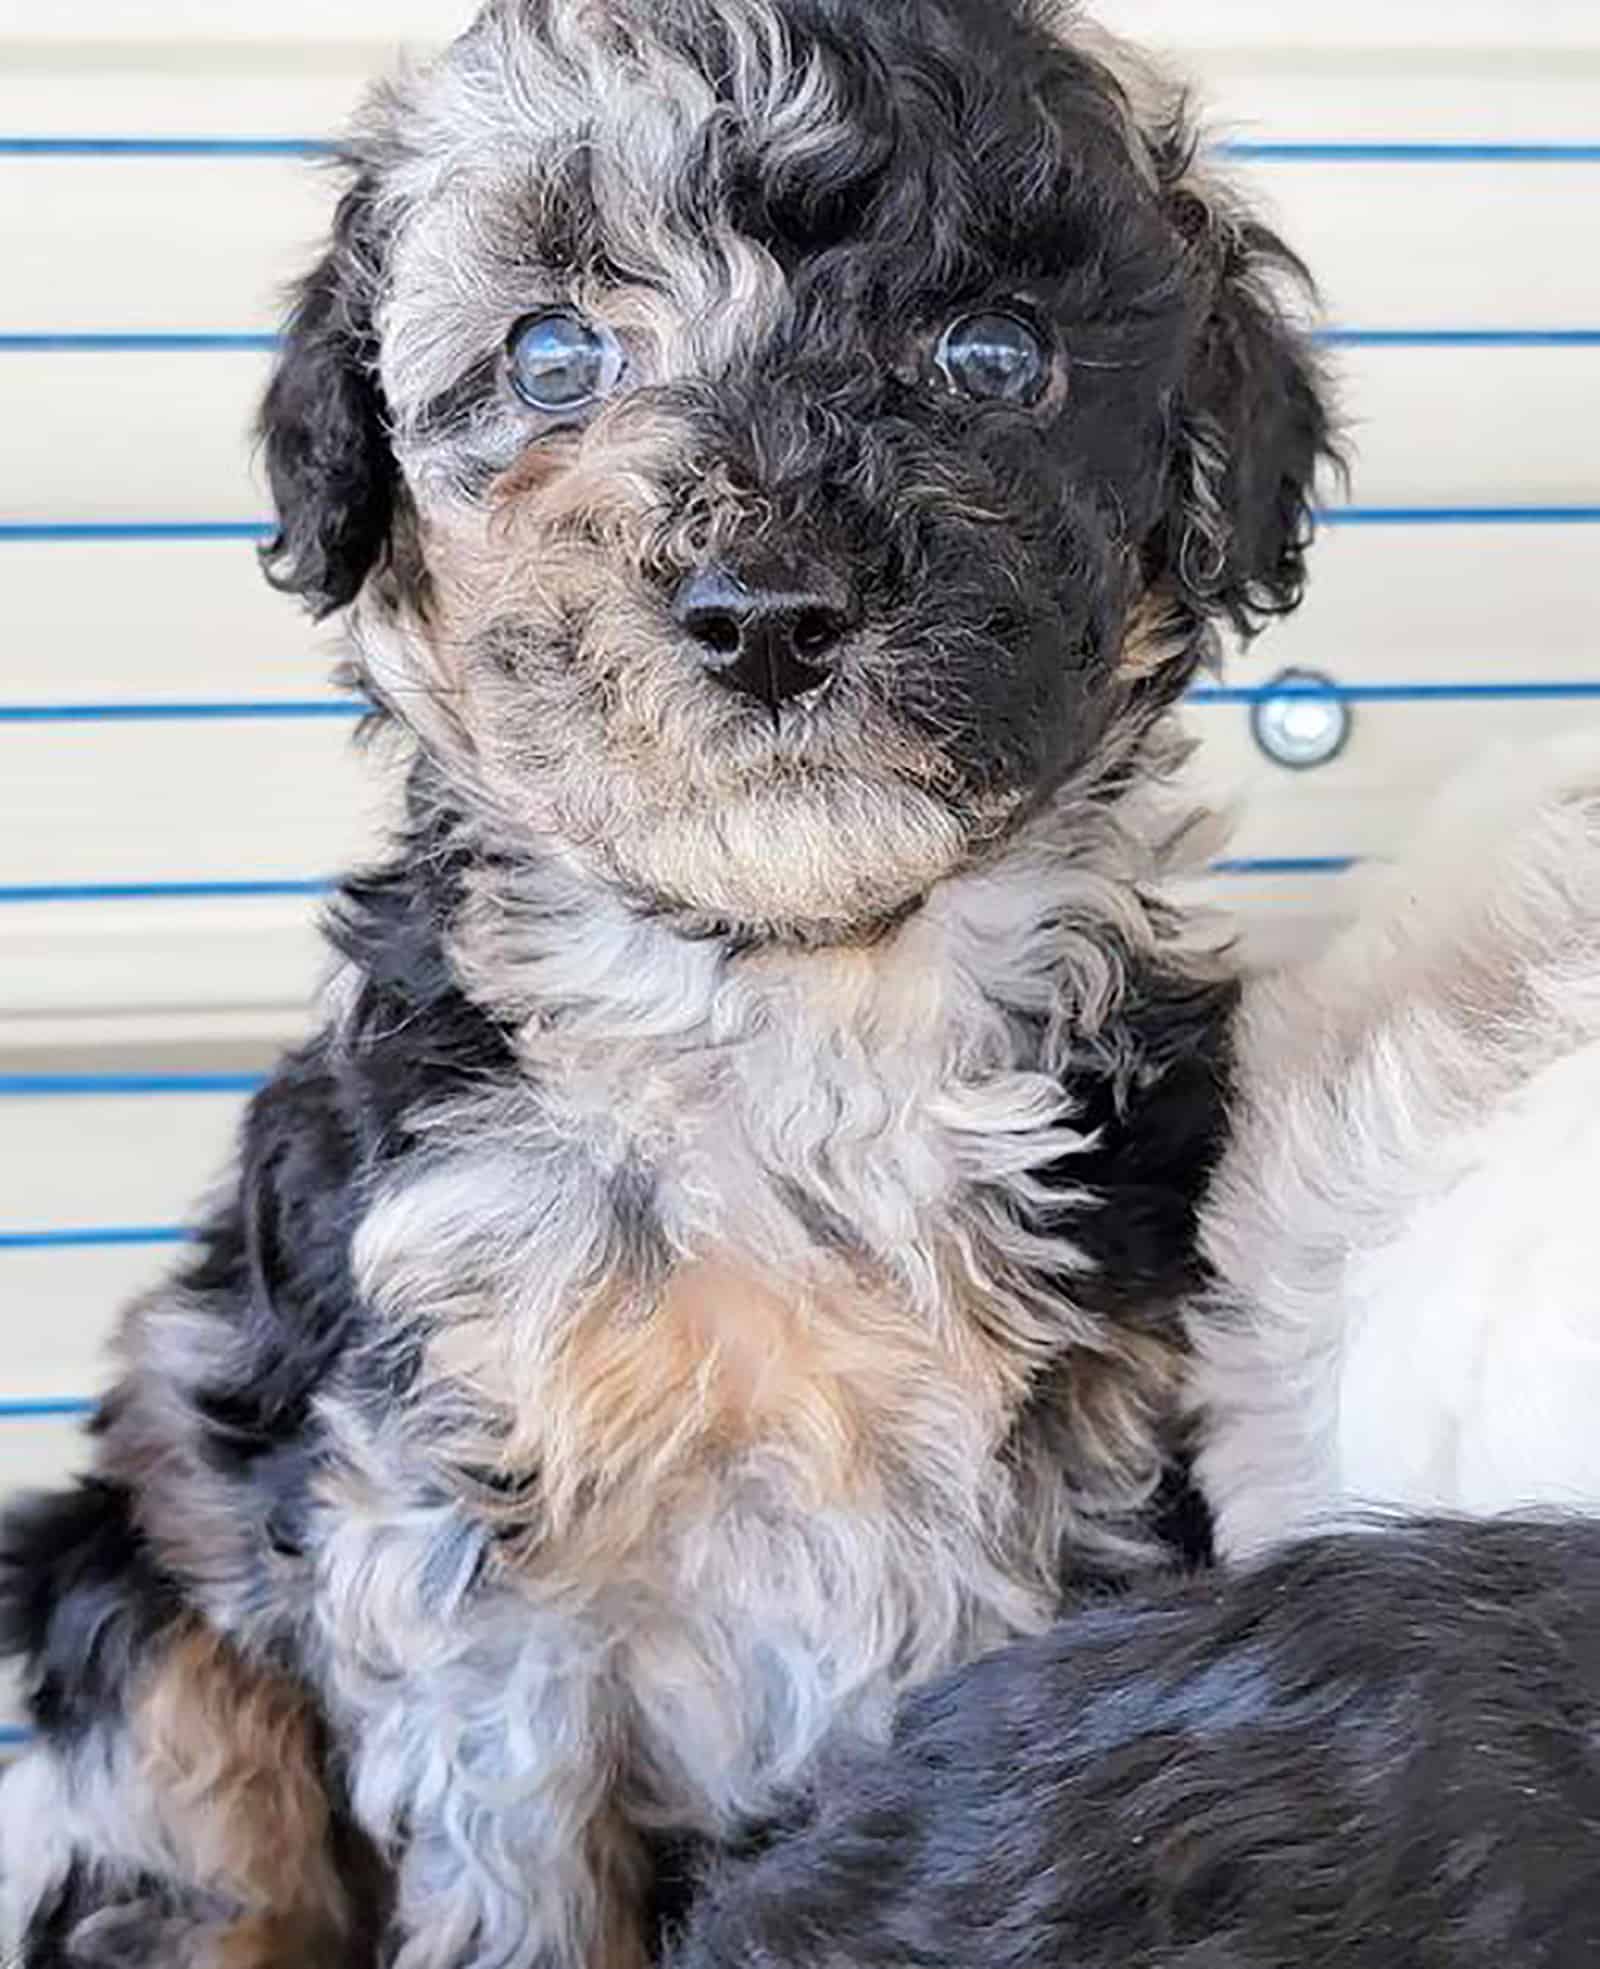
775 444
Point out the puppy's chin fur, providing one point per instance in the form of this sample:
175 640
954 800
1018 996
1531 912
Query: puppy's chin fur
776 847
557 697
816 865
828 826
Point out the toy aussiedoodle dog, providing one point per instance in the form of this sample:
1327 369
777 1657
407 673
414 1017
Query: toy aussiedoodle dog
718 1266
1376 1752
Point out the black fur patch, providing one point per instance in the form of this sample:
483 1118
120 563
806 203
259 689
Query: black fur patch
45 1944
275 1260
324 428
1158 1118
82 1602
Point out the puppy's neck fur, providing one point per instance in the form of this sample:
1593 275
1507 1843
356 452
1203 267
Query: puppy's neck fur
1044 929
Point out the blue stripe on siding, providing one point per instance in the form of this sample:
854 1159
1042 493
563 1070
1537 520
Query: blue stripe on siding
53 892
1288 153
194 342
100 530
1398 693
181 713
120 342
165 147
69 1086
1285 865
1404 153
110 1238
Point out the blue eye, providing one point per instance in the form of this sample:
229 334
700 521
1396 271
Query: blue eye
994 358
558 359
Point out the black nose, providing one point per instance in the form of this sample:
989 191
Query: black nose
771 635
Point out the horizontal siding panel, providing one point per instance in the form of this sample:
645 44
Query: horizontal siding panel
1385 606
40 1453
190 621
111 621
382 24
143 804
1436 246
1470 426
13 1721
155 244
1489 604
79 1165
165 1029
128 1160
1370 798
1436 27
187 90
1272 93
183 447
62 1309
1546 24
258 960
1267 91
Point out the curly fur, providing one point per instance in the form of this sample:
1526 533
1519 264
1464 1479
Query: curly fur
719 1262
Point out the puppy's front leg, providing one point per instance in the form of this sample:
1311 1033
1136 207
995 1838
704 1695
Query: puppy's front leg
484 1748
510 1889
518 1883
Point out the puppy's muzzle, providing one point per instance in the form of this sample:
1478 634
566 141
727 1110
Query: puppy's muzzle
772 633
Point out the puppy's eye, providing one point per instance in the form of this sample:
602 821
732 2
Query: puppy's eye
558 359
995 358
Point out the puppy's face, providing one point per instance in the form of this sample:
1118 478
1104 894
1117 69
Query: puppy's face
777 442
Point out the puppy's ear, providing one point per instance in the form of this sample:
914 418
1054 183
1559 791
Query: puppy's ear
324 426
1255 425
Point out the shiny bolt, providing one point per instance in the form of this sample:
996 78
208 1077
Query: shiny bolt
1300 722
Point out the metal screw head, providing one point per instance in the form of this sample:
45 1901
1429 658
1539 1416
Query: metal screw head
1300 722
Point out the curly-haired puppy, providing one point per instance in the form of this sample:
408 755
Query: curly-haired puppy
1377 1752
1404 1311
720 1262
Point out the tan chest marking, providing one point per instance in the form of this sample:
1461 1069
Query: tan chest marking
746 1345
634 1406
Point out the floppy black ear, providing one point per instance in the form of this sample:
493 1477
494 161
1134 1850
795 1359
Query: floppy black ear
1255 421
324 426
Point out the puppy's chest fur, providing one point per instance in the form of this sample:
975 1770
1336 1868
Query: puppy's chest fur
792 1237
725 1330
